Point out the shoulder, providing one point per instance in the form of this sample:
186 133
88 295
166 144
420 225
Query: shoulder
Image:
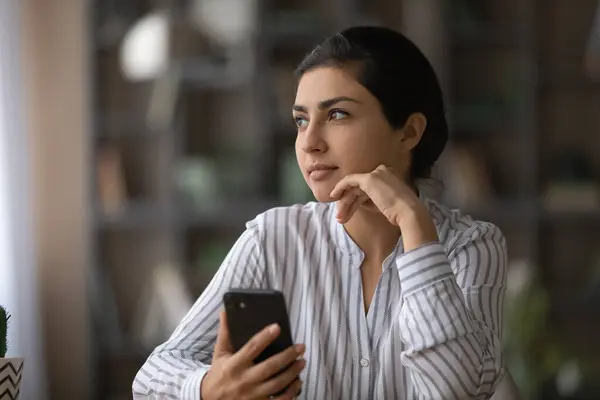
298 219
457 229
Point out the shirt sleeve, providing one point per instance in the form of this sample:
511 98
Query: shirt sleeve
451 315
175 369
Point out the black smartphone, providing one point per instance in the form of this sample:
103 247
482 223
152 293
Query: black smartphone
251 310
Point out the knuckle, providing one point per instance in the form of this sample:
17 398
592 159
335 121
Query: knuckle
300 365
242 390
346 201
292 353
251 349
271 367
231 392
285 359
228 370
292 372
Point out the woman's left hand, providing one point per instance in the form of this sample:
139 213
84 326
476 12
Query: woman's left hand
389 194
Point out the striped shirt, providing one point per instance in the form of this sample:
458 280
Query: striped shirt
432 330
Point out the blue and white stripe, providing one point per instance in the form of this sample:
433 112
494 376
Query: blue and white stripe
432 330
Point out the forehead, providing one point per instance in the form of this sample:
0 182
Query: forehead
326 83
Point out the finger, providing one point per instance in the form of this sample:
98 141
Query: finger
351 210
281 381
345 202
349 181
256 345
271 366
223 345
292 392
358 203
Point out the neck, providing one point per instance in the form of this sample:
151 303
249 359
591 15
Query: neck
373 233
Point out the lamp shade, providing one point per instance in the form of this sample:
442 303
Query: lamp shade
144 53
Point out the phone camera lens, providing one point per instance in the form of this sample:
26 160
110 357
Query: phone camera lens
242 305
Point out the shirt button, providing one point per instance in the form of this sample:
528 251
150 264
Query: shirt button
364 362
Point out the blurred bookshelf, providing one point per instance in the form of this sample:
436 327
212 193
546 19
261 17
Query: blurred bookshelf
523 111
184 159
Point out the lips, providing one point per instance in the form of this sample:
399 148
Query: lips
319 172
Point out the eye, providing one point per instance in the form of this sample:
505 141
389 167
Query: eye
300 122
336 114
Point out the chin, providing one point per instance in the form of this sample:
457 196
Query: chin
321 193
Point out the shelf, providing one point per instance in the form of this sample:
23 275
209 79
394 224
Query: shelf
137 135
124 126
579 217
492 108
515 210
486 36
568 81
293 29
140 215
505 211
212 73
227 214
472 120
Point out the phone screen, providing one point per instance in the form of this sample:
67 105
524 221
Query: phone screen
251 310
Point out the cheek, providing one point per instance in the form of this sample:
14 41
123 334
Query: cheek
373 144
301 159
299 153
361 151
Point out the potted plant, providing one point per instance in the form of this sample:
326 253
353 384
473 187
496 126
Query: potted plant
11 369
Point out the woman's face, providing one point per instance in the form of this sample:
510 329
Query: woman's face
341 131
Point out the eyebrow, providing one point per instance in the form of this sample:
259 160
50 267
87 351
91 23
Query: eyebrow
325 103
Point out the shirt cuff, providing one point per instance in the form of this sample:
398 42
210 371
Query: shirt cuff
423 267
191 386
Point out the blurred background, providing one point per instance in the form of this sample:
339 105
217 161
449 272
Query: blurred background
138 136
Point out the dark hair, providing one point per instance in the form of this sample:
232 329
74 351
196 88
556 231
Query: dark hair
398 74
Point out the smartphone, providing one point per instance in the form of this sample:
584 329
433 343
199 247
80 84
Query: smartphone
251 310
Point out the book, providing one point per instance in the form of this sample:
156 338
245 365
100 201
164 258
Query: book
111 187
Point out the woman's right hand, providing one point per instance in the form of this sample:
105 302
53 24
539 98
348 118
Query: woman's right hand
235 376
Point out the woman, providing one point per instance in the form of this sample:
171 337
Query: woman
390 294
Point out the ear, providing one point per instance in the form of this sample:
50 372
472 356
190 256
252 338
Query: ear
413 130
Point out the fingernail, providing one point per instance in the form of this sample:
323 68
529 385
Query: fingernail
273 328
300 348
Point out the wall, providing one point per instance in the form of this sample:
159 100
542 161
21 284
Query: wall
18 262
56 72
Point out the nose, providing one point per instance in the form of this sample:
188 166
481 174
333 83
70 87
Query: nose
312 140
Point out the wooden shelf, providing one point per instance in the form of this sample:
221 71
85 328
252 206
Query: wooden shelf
521 79
505 211
578 217
140 215
487 36
227 214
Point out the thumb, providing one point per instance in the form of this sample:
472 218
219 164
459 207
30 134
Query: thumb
223 345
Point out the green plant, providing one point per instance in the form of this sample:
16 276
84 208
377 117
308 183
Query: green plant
4 317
